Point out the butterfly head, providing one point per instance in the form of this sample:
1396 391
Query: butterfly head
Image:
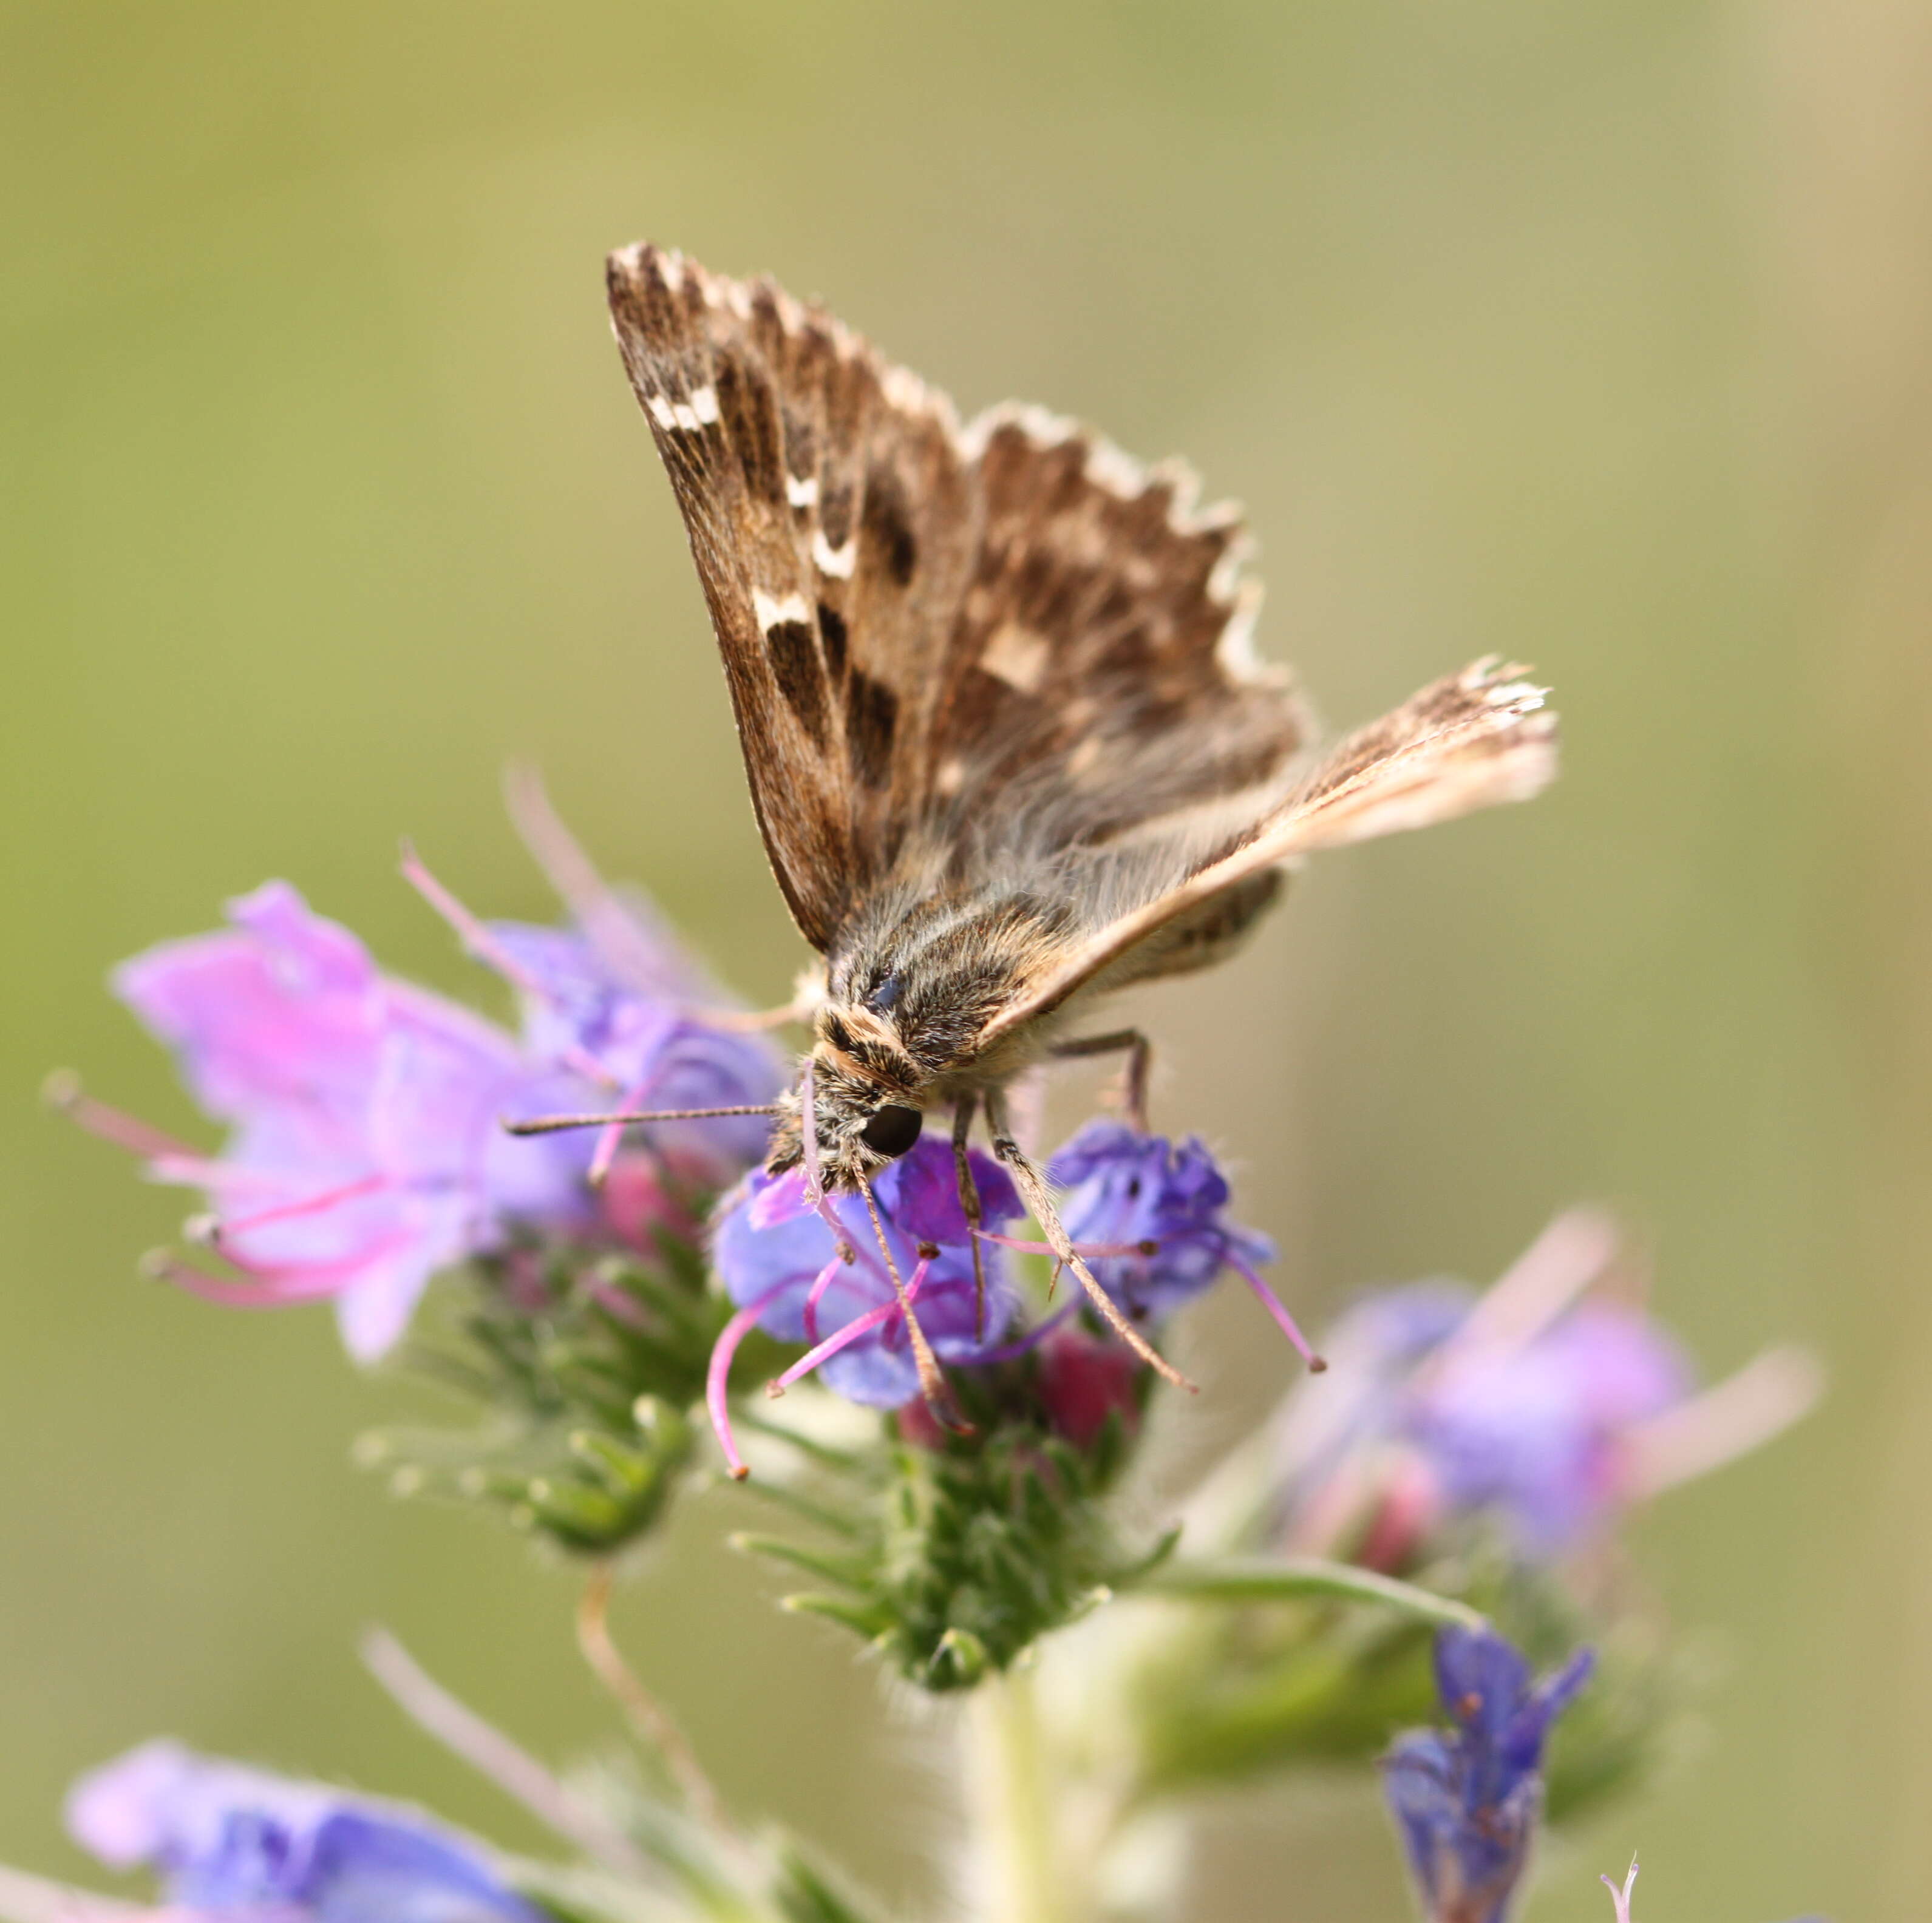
861 1094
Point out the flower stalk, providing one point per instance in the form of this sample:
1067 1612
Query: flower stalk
1016 1865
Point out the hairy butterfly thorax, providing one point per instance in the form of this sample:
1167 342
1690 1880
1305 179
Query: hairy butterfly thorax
910 995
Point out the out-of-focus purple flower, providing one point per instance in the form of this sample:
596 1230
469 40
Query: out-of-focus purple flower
654 1052
775 1256
1536 1432
1160 1209
1467 1799
229 1842
368 1150
1546 1408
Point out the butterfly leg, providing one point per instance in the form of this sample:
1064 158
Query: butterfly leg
969 1201
1039 1199
1140 1058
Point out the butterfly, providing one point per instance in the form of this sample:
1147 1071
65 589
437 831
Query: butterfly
1009 745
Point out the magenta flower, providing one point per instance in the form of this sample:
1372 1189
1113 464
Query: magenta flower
229 1842
368 1150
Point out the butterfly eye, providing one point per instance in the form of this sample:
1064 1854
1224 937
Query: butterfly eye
893 1129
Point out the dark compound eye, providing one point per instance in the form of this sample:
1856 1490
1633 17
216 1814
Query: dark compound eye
893 1129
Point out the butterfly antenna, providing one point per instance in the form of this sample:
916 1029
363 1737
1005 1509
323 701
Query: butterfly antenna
932 1384
1033 1191
552 1125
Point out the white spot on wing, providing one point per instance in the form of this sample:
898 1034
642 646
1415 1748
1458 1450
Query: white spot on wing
775 611
802 493
683 417
839 562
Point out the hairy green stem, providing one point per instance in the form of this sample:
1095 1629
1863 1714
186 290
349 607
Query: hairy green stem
1015 1864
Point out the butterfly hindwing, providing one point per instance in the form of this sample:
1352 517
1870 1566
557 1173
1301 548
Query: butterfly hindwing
1469 741
1098 672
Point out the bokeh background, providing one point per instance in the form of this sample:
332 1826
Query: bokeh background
1598 334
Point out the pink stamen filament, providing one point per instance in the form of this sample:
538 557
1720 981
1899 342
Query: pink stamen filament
824 1351
115 1125
717 1375
491 952
612 1135
313 1205
816 1295
1278 1309
271 1288
620 943
219 1179
470 930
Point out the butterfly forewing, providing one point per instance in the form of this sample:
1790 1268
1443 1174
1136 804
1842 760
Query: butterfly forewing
826 500
937 641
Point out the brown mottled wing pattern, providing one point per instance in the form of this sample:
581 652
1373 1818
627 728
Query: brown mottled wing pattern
927 633
1098 675
829 512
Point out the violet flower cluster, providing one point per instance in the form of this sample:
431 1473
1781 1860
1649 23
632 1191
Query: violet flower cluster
622 1273
368 1151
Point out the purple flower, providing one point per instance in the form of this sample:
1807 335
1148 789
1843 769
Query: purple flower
231 1842
368 1150
1547 1408
1537 1433
1154 1214
1467 1799
775 1255
637 1028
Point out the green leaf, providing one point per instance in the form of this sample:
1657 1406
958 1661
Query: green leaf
1296 1579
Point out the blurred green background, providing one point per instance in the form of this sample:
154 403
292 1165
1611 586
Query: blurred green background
1599 334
